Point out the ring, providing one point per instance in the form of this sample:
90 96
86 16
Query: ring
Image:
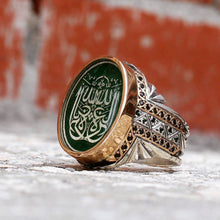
111 116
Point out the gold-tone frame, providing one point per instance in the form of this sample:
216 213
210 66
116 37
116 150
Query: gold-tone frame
103 151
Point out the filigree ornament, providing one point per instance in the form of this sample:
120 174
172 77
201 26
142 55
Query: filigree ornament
151 89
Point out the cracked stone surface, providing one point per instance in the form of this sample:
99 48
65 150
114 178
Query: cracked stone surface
38 180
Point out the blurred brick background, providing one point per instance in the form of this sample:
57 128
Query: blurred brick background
44 43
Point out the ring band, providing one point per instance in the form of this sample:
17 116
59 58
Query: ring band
111 116
159 134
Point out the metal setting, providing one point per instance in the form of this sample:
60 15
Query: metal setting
102 153
158 134
144 131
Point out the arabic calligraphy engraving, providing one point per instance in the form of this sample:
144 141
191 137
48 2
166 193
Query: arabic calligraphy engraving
93 110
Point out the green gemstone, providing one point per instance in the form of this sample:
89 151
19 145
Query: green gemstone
91 105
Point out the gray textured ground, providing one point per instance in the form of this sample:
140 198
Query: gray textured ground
40 181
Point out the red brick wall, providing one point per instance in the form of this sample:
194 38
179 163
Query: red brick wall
181 59
11 52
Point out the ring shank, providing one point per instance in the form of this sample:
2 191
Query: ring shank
159 132
144 129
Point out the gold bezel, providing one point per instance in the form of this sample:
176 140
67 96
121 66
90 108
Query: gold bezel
106 147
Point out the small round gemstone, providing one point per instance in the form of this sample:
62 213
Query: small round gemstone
161 114
161 141
170 130
154 138
141 102
141 94
148 107
138 113
153 120
130 137
176 139
168 117
155 110
172 149
161 129
148 134
134 128
117 155
144 121
142 85
140 78
141 130
124 147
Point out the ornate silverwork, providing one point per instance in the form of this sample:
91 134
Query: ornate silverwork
157 132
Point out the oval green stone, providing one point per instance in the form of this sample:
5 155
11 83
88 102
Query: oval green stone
91 106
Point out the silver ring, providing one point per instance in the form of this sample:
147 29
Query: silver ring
158 136
111 116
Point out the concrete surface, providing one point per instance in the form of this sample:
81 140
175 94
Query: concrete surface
38 180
